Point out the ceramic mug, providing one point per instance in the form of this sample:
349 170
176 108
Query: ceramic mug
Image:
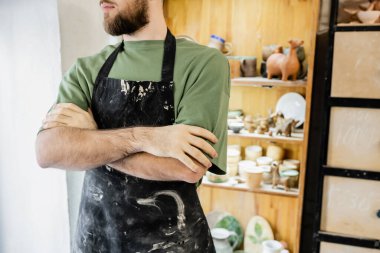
275 152
254 177
248 66
234 68
220 44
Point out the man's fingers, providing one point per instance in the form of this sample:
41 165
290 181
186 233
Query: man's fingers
52 124
58 118
70 106
188 162
198 156
204 146
201 132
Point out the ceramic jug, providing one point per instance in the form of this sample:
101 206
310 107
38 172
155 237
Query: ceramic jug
220 44
220 237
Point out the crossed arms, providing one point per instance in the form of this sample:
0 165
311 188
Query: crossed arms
72 141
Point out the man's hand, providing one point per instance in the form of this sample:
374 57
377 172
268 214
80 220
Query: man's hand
182 142
69 115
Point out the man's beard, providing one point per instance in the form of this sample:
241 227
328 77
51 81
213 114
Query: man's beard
130 22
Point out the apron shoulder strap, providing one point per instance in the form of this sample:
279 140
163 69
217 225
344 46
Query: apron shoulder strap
107 66
167 73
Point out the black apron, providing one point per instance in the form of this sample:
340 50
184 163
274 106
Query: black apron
122 213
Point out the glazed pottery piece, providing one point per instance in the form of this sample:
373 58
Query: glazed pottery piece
279 64
258 231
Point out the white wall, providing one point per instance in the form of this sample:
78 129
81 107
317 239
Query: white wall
82 34
33 201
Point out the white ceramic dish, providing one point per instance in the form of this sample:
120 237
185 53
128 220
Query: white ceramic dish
292 105
264 160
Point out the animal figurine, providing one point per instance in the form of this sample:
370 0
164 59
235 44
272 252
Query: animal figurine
275 119
285 127
249 123
277 179
263 126
279 64
373 5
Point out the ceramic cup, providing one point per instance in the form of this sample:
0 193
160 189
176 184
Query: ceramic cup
254 176
275 152
272 246
220 44
248 66
244 166
253 152
232 170
234 68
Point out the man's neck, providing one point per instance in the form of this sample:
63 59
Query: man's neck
155 30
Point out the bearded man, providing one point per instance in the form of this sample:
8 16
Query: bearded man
145 119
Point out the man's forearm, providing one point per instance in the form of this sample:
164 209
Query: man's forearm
150 167
80 149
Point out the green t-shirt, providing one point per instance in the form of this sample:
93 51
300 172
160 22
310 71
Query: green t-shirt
201 82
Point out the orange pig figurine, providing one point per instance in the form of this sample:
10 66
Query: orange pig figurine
279 64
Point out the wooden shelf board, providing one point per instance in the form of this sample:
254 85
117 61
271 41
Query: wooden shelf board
297 138
265 82
358 25
265 189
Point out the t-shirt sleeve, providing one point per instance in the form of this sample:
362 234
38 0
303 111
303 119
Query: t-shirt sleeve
73 89
205 104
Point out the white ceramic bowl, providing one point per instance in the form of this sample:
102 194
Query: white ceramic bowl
369 17
264 160
216 178
292 162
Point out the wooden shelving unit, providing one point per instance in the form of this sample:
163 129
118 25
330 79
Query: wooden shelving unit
231 184
296 138
262 82
249 26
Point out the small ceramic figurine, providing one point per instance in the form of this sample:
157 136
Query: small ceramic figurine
249 123
275 119
286 127
277 179
263 126
279 64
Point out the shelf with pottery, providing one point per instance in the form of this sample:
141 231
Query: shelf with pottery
296 138
235 183
265 82
199 19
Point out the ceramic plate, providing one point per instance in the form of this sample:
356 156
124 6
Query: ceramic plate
292 105
258 230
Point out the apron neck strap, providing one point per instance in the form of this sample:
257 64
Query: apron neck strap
167 73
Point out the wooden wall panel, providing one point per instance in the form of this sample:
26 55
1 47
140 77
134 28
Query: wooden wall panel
280 211
350 207
354 139
356 71
337 248
258 101
248 24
